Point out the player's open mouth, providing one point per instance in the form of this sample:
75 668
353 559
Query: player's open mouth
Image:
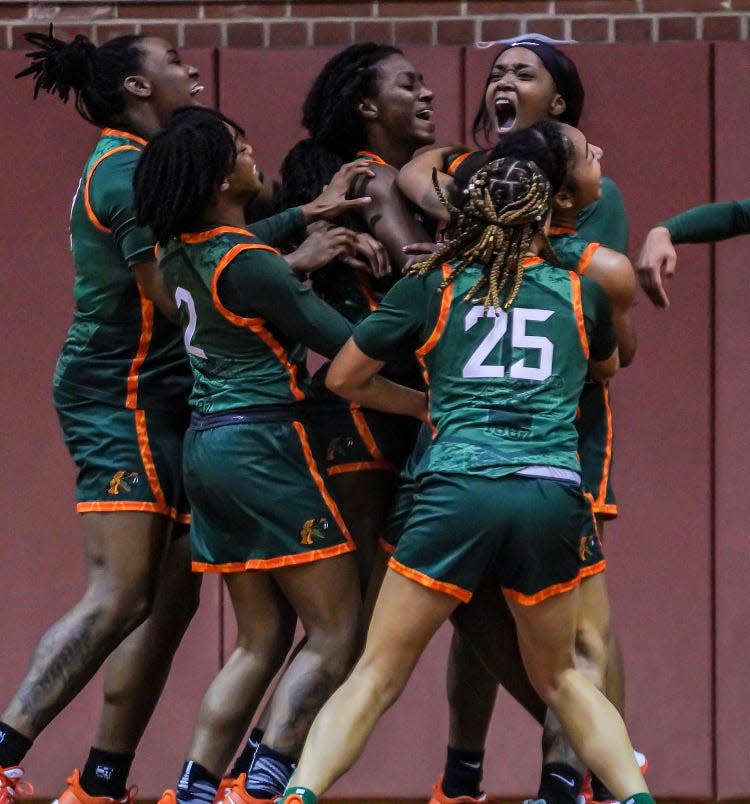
425 114
505 113
196 89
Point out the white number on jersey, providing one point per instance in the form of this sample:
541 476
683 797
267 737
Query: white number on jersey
181 297
476 367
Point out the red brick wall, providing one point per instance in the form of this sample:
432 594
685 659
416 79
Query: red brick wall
301 23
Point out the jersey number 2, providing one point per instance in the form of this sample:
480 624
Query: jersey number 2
519 316
181 297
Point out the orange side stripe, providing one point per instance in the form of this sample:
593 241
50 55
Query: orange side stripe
87 185
275 563
464 595
144 447
126 135
544 594
585 260
319 482
133 505
255 325
360 466
602 495
147 330
360 422
575 292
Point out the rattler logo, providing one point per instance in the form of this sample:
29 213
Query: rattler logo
122 482
339 447
584 551
313 529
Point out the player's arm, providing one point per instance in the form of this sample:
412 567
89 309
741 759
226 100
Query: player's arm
151 281
354 376
415 180
614 273
389 217
705 223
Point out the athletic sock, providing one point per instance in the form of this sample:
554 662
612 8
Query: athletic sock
106 773
559 783
245 759
13 746
270 773
196 784
600 790
463 773
639 798
307 796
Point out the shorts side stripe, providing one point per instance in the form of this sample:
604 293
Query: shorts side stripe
361 466
144 448
544 594
275 563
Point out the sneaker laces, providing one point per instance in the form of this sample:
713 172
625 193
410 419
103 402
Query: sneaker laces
13 786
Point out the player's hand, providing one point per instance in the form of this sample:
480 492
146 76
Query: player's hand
333 201
322 244
656 263
370 255
417 252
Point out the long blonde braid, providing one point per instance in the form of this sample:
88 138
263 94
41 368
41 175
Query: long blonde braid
508 200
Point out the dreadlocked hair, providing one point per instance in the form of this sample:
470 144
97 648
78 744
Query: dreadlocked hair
180 170
94 74
331 116
507 203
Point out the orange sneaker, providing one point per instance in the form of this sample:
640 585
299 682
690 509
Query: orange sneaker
224 786
12 785
237 794
168 797
439 797
75 794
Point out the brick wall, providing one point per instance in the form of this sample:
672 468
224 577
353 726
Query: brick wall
301 23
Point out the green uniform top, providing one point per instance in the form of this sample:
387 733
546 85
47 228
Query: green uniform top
503 386
572 250
247 318
709 222
605 221
120 349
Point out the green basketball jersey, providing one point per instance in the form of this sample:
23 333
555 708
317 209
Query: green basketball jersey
245 360
120 349
504 386
572 250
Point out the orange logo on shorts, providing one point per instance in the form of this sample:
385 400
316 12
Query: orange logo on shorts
120 482
312 530
583 548
339 447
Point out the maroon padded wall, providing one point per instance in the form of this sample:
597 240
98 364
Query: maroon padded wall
732 117
660 550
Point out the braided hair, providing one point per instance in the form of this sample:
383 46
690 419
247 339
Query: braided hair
331 116
507 202
94 74
180 170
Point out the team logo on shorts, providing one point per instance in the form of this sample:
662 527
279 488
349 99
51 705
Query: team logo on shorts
122 482
313 529
585 547
339 447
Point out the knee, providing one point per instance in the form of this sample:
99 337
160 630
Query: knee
592 650
120 611
338 641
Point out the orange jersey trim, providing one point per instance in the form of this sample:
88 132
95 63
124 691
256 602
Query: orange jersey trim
361 466
585 260
360 422
201 237
255 325
373 156
608 510
386 546
147 330
363 283
464 595
440 324
562 230
544 594
575 293
87 184
275 563
455 164
126 135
